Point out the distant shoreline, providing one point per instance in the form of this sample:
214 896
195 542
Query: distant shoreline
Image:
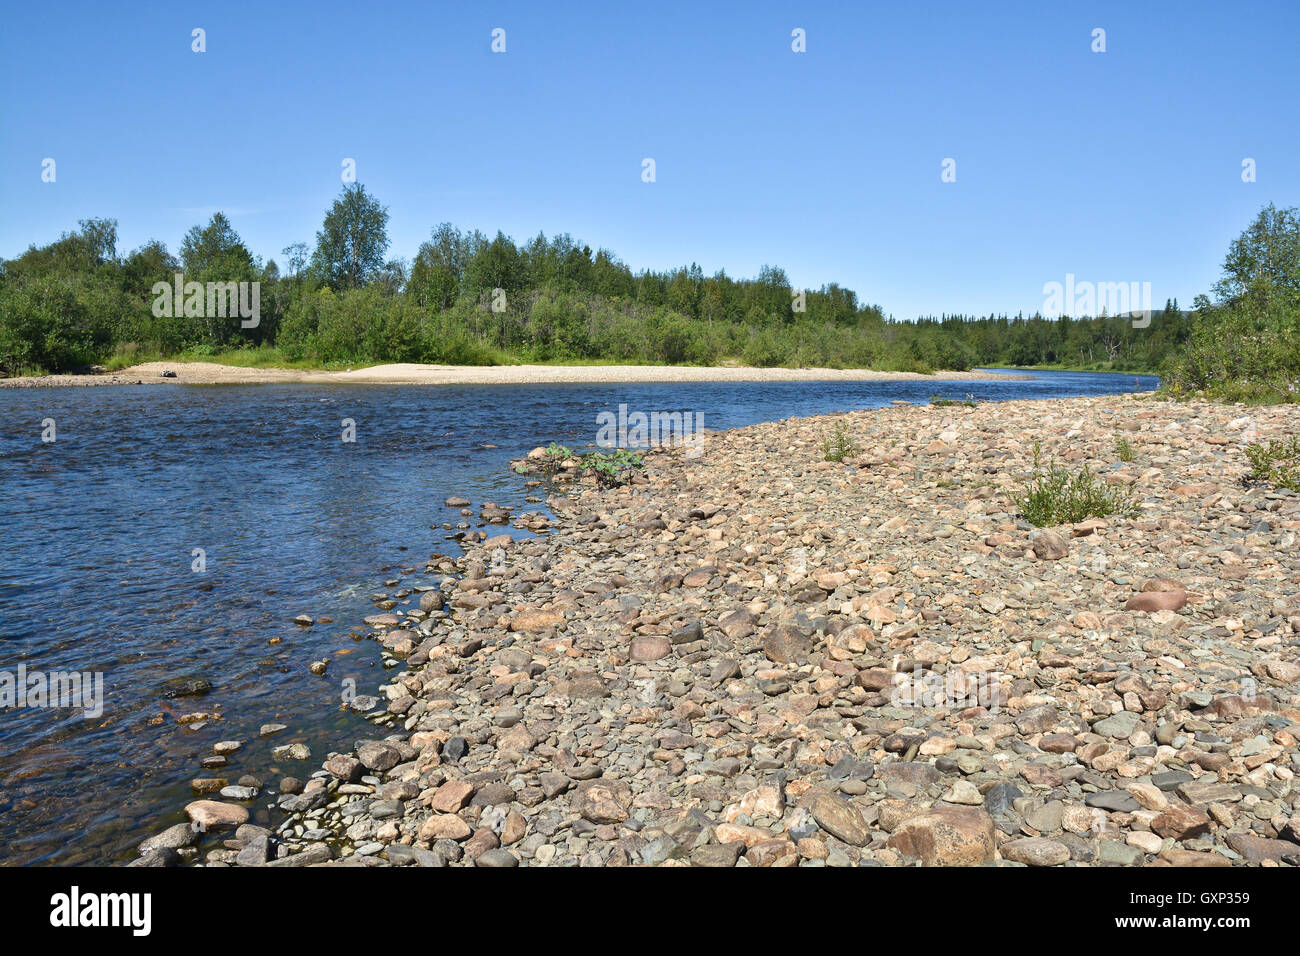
1150 373
209 373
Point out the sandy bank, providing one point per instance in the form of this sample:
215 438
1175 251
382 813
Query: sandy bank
207 373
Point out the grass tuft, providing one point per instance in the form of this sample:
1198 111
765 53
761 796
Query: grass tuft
1055 495
839 445
969 401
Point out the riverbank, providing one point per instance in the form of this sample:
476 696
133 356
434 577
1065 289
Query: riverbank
1076 368
758 657
207 373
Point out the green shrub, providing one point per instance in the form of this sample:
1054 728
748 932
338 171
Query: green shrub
1277 463
1124 448
839 445
611 470
555 456
1055 496
762 350
969 401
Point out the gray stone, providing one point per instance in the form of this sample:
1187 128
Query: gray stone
1119 725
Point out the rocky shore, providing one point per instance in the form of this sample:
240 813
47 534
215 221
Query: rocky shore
756 657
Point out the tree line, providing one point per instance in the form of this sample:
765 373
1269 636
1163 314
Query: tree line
466 298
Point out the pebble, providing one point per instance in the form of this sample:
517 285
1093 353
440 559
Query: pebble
1035 851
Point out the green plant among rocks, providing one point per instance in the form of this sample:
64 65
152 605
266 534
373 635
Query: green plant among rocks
555 457
1277 463
839 445
969 401
1124 448
549 464
613 470
1056 495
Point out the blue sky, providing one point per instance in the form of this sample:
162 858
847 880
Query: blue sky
1116 166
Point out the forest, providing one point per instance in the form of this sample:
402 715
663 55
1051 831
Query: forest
466 298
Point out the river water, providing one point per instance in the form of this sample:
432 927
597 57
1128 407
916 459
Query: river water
100 531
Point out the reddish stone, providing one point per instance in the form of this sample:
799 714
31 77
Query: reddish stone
1157 601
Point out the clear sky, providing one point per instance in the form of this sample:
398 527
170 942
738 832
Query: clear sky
1118 166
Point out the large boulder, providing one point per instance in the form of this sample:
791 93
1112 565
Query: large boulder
947 836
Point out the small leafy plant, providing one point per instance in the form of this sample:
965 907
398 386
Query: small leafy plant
1124 448
839 445
613 470
1277 463
555 456
1055 495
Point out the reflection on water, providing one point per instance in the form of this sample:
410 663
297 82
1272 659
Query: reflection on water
98 532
